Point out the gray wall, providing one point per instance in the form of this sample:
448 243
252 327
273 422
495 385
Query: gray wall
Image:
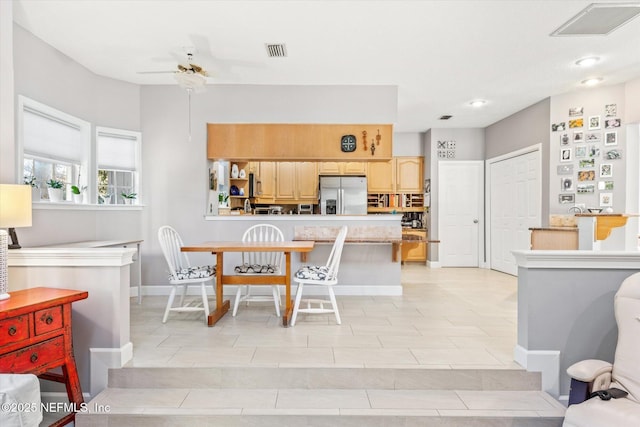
408 144
7 146
520 130
69 87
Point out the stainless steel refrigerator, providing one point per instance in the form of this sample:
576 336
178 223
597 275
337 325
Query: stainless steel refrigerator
343 195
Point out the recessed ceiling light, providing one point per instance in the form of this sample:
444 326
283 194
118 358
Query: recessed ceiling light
478 103
587 62
592 81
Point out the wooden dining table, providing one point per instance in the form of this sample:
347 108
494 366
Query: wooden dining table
220 248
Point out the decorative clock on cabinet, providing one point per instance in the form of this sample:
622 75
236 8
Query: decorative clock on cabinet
348 143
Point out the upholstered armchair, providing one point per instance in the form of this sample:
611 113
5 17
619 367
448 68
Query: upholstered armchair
589 376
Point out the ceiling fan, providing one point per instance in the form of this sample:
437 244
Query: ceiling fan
189 75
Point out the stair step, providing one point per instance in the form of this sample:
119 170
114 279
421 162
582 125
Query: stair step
319 378
321 407
265 396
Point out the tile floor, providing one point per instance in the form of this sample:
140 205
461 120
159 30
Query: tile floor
446 318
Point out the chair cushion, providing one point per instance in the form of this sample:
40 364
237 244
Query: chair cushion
596 412
256 269
313 272
201 272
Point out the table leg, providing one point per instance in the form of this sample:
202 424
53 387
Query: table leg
288 308
221 306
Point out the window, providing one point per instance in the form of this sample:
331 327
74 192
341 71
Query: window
55 145
118 158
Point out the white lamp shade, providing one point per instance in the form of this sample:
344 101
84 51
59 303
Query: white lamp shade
15 205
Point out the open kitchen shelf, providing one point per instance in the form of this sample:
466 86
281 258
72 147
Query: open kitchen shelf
399 202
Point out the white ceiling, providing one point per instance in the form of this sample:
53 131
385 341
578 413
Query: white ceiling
440 54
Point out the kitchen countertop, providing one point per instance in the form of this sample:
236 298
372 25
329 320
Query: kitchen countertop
554 228
306 217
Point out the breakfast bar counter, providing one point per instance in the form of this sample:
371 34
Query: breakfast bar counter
366 268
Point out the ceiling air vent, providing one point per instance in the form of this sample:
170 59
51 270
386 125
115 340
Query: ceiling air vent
445 117
276 50
598 19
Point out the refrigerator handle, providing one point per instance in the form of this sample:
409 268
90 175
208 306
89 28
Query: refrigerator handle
342 201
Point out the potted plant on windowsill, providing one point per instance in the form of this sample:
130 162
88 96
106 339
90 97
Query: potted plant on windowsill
128 198
55 190
35 190
76 193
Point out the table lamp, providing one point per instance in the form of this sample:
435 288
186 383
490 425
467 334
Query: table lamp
15 211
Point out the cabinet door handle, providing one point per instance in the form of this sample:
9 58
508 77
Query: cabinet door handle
34 357
48 320
12 331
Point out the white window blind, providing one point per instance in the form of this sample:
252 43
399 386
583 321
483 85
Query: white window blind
51 137
116 152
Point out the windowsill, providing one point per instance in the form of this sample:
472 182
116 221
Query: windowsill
44 205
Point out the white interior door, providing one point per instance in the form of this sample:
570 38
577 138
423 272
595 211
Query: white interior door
514 207
460 196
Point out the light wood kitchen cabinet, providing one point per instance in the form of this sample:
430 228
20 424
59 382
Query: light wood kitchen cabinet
266 182
380 177
296 181
307 180
342 168
414 245
409 174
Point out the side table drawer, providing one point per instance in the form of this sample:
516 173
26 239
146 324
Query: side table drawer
48 320
33 357
14 329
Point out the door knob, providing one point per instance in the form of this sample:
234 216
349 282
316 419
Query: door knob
475 221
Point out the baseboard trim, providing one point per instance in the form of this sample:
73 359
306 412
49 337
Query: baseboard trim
434 264
545 362
103 359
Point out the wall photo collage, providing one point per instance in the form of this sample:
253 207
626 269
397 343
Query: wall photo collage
588 151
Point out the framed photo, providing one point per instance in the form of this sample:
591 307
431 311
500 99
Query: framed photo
594 151
593 137
594 122
589 175
558 127
612 123
576 123
606 199
581 151
590 163
605 185
578 136
576 111
606 170
611 110
586 188
614 154
611 138
566 184
567 198
565 169
565 155
564 139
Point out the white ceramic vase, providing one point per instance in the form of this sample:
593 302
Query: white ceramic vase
77 198
234 171
55 195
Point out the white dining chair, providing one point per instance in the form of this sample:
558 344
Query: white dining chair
182 274
260 263
320 275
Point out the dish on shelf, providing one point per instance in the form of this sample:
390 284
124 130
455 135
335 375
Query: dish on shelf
594 210
234 191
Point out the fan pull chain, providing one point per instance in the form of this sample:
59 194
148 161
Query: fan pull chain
189 92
